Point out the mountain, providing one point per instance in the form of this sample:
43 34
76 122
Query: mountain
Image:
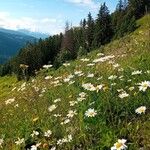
37 35
10 43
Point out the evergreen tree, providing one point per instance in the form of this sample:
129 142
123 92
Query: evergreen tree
89 32
138 8
103 29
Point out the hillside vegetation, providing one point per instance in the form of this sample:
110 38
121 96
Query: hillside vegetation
87 104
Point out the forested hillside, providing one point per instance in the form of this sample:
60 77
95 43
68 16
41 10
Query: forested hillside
77 41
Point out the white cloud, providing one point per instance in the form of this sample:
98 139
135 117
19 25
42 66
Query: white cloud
88 3
45 25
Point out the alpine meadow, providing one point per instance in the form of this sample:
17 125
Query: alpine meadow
85 88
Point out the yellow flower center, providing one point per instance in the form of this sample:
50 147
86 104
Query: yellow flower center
118 145
145 85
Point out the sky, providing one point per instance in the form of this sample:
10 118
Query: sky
47 16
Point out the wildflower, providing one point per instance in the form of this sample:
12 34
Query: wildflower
66 64
131 88
35 119
1 142
48 77
81 74
80 99
70 76
71 113
65 121
120 145
48 133
90 113
47 66
120 69
123 95
57 115
59 142
89 87
57 100
23 85
136 72
77 72
99 87
35 133
72 103
144 85
51 108
82 94
36 89
103 59
112 77
113 84
9 101
35 147
99 78
140 110
71 82
20 141
116 65
67 79
90 75
91 64
17 105
148 71
69 138
53 148
13 89
120 90
100 54
85 59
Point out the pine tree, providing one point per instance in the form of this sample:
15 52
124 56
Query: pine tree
89 32
103 31
138 8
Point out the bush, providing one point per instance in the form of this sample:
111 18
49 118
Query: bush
82 51
62 57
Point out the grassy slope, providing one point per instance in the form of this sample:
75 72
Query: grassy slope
116 118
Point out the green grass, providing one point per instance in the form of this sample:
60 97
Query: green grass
116 117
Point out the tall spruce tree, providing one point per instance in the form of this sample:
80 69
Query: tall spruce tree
138 8
89 32
103 28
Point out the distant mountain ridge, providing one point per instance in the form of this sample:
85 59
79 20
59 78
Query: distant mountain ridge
34 34
10 43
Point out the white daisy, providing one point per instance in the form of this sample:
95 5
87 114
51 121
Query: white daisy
144 85
140 110
90 113
19 141
51 108
120 145
48 133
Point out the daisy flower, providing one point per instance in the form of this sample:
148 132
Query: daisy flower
20 141
51 108
90 112
144 85
120 145
140 110
48 133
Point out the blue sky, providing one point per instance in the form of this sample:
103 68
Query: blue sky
47 16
